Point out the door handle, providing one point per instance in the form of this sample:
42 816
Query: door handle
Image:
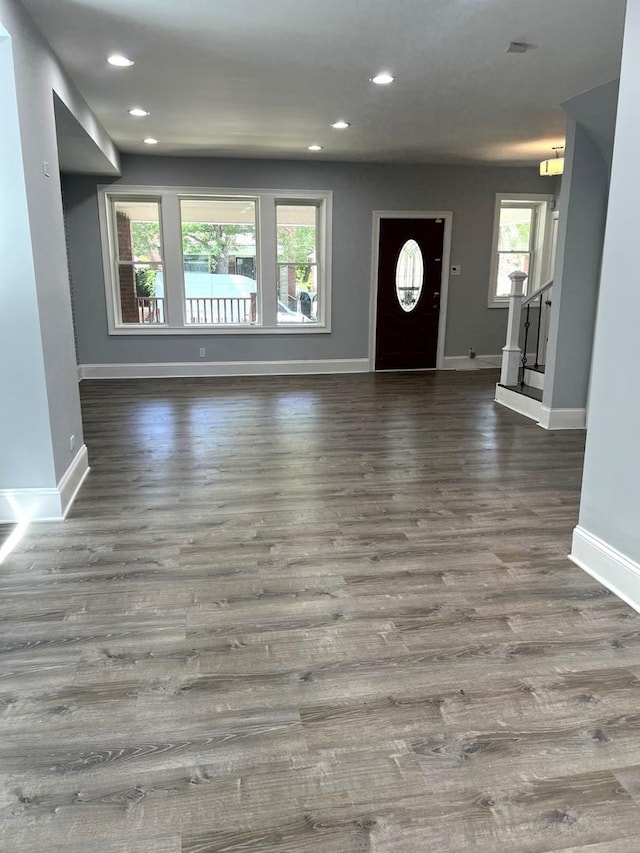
436 293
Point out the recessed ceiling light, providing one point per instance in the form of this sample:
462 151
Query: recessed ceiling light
341 124
150 140
383 78
138 112
315 147
119 60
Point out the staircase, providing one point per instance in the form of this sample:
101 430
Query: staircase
524 356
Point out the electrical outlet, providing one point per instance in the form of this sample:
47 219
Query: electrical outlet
472 352
72 442
456 269
203 352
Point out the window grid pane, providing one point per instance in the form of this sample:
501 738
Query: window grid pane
297 268
219 248
516 228
509 262
140 262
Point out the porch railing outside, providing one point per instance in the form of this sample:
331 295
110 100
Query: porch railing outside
228 310
150 309
205 311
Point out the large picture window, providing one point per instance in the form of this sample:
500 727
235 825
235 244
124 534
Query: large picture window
183 261
219 251
521 241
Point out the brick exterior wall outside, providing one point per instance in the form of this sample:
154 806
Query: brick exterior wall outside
126 275
292 283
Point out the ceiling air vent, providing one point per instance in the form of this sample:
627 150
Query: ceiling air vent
519 47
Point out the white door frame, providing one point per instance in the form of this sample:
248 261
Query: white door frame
447 216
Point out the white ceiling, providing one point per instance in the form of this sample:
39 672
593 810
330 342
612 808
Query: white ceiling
265 78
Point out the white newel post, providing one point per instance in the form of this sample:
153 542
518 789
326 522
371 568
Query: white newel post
511 352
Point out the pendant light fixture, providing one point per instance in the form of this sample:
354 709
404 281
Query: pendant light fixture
555 166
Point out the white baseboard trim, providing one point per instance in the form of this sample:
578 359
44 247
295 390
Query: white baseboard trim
171 370
26 505
519 403
551 419
53 504
72 480
563 418
463 362
613 569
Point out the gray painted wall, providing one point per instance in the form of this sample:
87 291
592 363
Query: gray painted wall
610 507
77 151
37 76
358 189
596 111
26 457
583 210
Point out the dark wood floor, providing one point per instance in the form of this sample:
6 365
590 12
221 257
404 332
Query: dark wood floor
321 615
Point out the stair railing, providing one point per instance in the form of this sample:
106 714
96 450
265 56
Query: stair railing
541 296
511 352
515 359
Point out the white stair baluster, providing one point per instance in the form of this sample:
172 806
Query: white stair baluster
511 352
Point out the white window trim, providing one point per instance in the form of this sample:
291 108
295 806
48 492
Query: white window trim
172 251
542 247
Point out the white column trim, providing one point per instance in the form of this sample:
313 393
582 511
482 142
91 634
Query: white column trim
511 352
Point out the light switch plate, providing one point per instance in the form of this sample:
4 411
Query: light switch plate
456 269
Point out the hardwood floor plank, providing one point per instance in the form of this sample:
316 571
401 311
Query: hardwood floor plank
629 844
167 844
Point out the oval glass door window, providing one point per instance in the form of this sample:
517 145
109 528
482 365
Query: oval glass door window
409 275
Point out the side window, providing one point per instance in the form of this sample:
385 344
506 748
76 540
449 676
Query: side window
139 260
516 230
298 273
522 240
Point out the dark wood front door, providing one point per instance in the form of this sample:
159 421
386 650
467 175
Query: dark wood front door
409 281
